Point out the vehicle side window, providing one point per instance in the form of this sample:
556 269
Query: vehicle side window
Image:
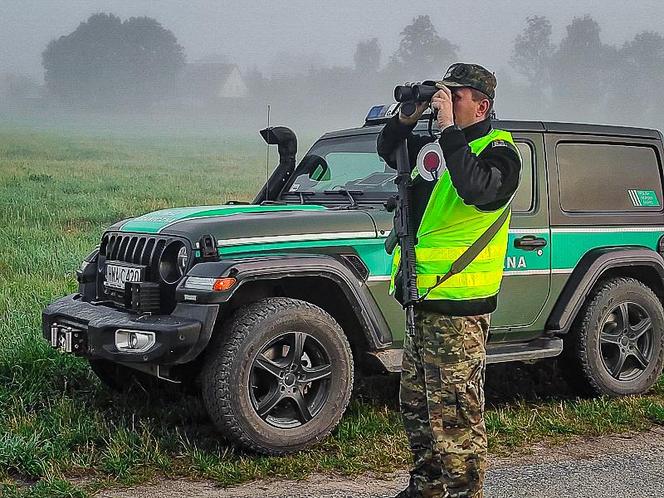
524 200
608 178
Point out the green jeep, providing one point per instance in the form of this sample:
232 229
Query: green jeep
269 308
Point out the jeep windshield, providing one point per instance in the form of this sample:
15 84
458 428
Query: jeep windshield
335 167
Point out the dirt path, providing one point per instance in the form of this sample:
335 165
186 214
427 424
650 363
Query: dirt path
623 465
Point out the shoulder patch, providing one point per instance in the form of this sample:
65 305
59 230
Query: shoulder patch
505 143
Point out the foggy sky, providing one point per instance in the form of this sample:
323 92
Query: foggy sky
254 33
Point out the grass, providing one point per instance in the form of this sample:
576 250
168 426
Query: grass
63 435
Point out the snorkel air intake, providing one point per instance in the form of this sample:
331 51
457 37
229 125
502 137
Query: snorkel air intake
286 142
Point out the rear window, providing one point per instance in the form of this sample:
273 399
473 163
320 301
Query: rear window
608 178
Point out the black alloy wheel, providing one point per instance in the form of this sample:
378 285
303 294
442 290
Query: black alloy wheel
626 341
278 375
289 380
616 345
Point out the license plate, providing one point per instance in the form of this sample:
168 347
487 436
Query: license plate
118 275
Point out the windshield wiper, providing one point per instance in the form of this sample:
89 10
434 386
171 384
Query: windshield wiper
300 194
349 193
271 202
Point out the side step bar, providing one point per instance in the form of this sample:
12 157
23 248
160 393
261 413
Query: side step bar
390 359
528 351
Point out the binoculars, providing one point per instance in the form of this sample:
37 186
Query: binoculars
411 94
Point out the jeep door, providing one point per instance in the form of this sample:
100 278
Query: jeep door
527 275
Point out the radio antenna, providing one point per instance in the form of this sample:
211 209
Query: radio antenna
267 158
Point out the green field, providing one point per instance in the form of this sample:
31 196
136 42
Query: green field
63 434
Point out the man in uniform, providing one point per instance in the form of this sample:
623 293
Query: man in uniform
458 196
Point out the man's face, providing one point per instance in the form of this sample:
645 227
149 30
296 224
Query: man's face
466 111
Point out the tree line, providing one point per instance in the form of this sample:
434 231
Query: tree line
583 76
106 60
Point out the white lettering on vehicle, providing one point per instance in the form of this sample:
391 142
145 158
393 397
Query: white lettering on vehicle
515 262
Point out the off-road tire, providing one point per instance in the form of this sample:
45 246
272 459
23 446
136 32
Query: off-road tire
582 361
229 359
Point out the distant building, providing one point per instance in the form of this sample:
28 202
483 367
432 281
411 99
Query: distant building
209 82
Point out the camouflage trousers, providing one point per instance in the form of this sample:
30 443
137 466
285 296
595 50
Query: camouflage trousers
442 404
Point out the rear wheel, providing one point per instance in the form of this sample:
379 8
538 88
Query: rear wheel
616 346
278 376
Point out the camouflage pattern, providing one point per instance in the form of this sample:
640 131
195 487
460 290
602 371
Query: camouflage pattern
471 75
442 404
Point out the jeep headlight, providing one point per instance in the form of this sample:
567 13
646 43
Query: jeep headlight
173 262
183 260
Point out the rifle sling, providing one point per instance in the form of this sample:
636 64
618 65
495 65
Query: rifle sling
471 253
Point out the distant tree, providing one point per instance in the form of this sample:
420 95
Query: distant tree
532 52
583 70
106 59
257 84
422 52
367 56
638 81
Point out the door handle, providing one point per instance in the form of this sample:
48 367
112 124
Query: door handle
529 243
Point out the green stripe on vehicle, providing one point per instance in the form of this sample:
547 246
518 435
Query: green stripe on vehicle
569 245
158 220
565 248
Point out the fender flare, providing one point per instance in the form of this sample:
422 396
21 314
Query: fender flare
336 269
590 269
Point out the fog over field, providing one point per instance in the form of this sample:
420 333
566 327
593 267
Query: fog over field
319 65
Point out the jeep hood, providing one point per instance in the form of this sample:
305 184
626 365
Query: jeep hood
249 224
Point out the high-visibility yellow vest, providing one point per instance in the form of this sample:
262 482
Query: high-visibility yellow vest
448 228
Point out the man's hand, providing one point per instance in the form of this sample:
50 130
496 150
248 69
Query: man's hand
420 107
442 102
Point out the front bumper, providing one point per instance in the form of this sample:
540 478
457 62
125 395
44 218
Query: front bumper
89 330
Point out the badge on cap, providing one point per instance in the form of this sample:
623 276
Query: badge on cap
460 71
430 162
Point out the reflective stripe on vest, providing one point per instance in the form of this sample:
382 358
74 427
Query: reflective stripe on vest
448 228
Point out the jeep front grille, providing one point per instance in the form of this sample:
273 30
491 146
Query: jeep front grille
135 249
151 295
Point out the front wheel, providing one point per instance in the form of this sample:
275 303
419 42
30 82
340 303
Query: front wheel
278 376
616 346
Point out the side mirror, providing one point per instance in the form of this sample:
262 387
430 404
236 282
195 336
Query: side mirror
316 167
320 174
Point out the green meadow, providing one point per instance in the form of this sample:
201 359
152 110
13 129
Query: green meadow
63 434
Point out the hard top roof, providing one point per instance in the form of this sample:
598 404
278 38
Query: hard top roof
518 125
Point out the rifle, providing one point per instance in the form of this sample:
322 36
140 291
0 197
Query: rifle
403 233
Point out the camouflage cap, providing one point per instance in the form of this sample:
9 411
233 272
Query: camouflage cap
472 76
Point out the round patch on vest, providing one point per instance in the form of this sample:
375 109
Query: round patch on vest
430 162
